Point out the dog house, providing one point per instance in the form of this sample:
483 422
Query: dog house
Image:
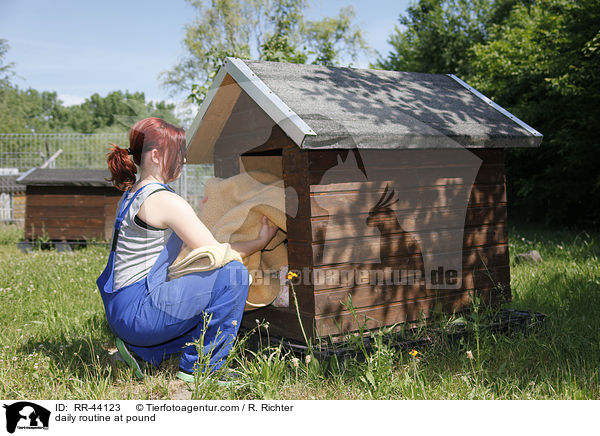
394 186
12 197
69 205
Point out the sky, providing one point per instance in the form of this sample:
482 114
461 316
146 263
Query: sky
77 48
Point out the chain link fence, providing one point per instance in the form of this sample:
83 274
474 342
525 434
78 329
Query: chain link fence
20 152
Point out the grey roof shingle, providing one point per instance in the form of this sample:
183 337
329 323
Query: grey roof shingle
59 176
351 107
8 183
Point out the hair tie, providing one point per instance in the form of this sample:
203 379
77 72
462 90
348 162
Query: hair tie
129 151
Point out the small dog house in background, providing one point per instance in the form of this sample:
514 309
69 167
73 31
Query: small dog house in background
69 205
12 197
399 177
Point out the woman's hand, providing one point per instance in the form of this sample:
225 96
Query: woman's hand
267 232
246 248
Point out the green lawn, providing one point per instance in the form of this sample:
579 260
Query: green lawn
55 342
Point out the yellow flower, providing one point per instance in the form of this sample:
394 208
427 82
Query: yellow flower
290 275
413 353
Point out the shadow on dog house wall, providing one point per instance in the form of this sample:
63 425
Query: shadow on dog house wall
399 181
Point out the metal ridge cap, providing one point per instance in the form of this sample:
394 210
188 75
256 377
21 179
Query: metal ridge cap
296 128
496 106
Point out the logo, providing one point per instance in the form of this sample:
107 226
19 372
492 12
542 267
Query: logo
26 415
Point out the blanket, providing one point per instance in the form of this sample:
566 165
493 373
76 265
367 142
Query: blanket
202 259
233 212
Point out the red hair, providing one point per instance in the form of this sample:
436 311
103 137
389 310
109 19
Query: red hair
145 136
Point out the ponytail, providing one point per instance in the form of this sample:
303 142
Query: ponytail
122 168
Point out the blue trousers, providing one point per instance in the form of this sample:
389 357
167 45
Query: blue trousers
158 317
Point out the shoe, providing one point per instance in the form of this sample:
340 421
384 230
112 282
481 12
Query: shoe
225 377
130 358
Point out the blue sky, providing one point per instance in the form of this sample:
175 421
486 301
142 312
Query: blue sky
77 48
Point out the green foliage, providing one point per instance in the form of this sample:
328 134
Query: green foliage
32 111
279 46
541 61
328 38
434 36
543 64
6 69
276 28
114 113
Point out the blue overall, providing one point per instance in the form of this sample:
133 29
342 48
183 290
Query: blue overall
157 317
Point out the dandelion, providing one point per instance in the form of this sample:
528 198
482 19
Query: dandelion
14 358
290 275
296 362
234 322
307 359
413 353
35 366
470 355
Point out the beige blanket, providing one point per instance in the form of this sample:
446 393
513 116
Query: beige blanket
202 259
233 212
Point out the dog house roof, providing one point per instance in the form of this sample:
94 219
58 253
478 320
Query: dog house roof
62 177
332 107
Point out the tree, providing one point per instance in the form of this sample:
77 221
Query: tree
276 28
330 37
437 36
281 44
543 64
6 69
540 59
114 113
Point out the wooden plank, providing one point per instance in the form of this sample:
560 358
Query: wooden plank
275 142
407 311
65 200
295 170
65 232
41 212
201 149
322 278
405 177
315 228
325 159
360 226
328 277
364 201
375 249
330 301
73 190
70 222
470 254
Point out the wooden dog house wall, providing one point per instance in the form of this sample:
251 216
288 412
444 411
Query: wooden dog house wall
69 204
400 124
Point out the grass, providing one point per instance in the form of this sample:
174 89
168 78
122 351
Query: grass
55 342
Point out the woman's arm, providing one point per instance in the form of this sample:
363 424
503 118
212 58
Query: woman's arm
167 209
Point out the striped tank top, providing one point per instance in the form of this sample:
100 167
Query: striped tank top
138 245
